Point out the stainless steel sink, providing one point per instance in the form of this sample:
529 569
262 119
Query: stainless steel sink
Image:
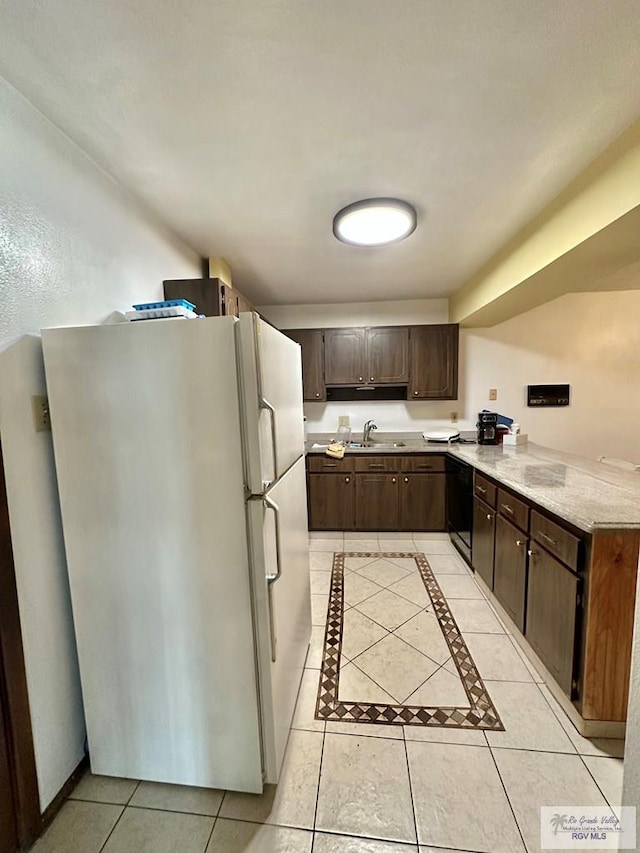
377 445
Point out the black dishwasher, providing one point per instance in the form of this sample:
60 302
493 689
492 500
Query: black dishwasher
460 505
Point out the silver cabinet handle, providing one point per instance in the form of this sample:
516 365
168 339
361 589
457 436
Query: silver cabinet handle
372 379
518 543
360 378
415 393
393 479
317 393
347 479
507 508
481 490
548 539
406 479
272 578
531 553
488 517
265 404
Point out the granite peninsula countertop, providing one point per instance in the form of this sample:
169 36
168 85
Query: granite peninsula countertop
586 493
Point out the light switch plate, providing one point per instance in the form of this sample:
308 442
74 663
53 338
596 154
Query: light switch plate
493 393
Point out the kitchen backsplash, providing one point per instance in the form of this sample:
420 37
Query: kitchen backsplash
394 416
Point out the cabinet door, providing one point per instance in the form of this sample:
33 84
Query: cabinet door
422 501
377 504
205 293
482 540
344 356
243 303
331 501
312 362
550 624
387 356
433 362
510 570
231 306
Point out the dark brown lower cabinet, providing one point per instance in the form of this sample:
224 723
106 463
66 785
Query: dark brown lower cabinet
422 501
377 504
551 614
483 539
510 570
331 501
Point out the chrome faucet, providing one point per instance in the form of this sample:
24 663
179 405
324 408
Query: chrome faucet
367 431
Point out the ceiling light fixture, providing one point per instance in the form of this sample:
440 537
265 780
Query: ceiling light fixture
375 222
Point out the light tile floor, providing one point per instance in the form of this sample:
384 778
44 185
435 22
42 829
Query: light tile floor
351 788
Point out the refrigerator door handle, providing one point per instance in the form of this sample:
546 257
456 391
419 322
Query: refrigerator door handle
272 505
272 578
265 404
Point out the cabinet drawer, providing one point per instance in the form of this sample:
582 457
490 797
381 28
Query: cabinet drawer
433 463
378 463
484 489
555 539
513 509
318 463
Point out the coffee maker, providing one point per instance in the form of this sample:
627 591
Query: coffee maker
487 428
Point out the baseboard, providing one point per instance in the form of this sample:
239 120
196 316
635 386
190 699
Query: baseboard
60 798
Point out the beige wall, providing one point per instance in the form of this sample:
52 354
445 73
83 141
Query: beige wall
590 340
577 243
74 247
396 313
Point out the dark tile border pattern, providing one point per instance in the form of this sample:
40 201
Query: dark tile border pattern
481 712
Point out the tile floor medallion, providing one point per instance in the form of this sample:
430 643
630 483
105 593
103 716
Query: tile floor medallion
392 681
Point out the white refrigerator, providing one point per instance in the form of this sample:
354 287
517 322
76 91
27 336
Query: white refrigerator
179 453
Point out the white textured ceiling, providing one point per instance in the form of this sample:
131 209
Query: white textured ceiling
245 124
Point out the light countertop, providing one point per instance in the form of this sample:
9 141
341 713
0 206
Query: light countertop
586 493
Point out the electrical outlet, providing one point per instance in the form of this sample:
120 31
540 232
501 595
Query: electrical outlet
344 420
493 393
454 417
41 417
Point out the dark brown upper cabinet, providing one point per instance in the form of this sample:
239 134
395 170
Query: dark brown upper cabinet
371 356
210 296
345 356
379 362
434 362
388 356
312 343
